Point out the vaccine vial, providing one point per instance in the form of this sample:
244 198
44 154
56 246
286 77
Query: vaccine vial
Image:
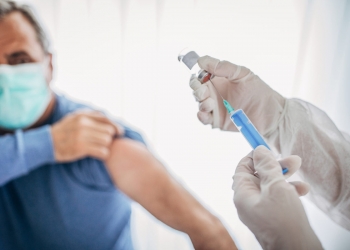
189 58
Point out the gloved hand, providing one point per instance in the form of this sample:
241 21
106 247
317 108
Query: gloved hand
242 89
269 206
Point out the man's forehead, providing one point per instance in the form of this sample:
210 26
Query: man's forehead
17 34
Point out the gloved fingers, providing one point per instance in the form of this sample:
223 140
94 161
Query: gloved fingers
205 118
267 166
208 63
201 93
194 83
207 105
292 162
245 170
246 189
246 165
302 188
245 184
226 69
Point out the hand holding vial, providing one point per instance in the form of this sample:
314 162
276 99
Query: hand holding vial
242 89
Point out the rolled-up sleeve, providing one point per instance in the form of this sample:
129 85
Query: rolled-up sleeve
92 172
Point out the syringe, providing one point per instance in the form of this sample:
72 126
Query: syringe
246 127
238 117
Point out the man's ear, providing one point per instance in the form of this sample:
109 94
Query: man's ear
49 69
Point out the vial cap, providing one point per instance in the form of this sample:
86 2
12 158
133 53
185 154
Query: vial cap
189 58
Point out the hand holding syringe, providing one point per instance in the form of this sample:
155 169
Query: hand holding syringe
238 117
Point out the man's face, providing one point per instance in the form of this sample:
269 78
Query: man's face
19 43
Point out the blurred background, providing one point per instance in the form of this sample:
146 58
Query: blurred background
121 56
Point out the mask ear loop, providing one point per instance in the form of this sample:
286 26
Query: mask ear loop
45 64
46 61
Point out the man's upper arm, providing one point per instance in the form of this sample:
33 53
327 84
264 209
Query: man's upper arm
132 168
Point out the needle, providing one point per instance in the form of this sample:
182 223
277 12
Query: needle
216 90
226 103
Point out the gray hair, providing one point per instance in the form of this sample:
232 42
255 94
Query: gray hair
7 7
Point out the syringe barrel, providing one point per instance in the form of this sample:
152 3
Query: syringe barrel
246 127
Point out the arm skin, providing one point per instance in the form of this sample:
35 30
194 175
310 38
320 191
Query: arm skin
137 173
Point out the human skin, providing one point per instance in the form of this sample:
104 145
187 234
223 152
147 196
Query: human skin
142 177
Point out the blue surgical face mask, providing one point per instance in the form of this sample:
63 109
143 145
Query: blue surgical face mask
24 95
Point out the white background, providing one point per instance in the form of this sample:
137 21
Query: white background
121 56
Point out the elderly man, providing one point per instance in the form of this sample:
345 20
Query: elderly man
65 177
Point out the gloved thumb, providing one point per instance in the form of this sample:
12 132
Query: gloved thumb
225 69
292 162
302 188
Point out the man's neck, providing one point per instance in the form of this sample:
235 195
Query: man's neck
42 119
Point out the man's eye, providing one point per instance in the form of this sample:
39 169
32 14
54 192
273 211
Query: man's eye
19 60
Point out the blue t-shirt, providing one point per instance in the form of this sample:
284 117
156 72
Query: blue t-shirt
49 205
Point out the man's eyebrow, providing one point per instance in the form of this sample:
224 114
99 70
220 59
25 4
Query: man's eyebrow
17 54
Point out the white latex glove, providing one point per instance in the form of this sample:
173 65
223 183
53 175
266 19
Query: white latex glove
269 206
242 89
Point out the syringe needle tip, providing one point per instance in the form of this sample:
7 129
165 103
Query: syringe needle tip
226 103
228 106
